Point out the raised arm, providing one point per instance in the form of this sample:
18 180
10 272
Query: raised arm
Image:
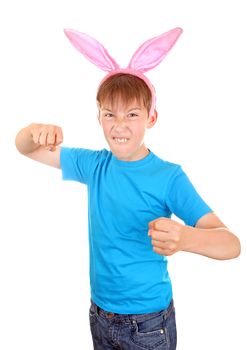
40 142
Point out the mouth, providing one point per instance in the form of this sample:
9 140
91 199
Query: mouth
120 140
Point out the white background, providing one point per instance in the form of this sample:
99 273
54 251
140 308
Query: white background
201 92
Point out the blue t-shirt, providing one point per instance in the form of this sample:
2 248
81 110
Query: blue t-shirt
126 275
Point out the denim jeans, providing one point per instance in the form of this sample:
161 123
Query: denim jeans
133 332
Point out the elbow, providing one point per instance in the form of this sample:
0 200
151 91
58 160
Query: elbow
18 144
237 248
234 250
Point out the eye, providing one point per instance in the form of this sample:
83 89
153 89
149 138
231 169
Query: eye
108 115
132 115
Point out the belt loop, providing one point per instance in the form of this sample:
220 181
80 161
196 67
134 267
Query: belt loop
95 307
169 310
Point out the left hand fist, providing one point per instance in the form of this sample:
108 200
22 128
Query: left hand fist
167 236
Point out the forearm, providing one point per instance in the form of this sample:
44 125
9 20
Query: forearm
24 140
216 243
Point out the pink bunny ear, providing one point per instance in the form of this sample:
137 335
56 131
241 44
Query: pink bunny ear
92 50
152 52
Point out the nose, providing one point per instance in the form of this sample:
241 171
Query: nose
120 123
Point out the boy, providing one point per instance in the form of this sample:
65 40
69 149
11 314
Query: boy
132 194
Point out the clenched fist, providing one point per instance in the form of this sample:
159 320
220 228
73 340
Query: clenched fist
46 135
167 236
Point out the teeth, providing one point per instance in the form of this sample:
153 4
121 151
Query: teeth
120 140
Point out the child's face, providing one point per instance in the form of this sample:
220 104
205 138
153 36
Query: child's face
124 128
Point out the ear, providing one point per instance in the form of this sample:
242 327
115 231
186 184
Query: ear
152 52
92 50
152 119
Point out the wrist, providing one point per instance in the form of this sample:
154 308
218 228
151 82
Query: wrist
188 238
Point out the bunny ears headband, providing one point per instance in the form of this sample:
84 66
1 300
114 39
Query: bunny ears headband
146 57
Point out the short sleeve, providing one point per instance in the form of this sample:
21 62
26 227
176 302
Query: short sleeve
78 164
183 200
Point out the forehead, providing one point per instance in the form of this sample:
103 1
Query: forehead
121 104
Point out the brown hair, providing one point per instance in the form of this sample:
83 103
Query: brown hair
126 88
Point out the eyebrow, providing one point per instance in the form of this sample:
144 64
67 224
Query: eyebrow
105 109
132 109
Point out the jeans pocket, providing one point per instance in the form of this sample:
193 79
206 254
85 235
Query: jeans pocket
170 325
150 333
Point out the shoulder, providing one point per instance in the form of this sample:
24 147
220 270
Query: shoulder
168 166
82 158
84 153
80 163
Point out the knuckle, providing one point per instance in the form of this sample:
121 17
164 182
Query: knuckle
176 238
35 138
59 139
